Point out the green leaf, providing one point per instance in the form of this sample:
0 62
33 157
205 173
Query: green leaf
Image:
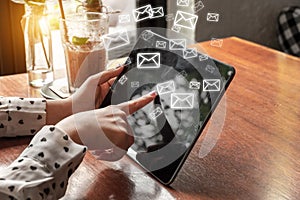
79 40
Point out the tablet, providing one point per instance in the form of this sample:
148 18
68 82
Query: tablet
189 86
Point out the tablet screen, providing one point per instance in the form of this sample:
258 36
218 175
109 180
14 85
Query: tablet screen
189 85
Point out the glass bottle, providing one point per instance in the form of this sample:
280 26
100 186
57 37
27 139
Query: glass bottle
38 44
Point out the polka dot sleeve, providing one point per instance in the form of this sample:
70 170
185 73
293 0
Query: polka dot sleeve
21 116
43 169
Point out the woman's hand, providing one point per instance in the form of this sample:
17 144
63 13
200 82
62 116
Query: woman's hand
88 97
92 92
105 131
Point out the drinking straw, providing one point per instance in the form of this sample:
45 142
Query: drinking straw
61 8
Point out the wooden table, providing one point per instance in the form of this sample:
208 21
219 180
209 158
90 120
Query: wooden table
256 156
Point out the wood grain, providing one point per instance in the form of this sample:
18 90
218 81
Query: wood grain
256 155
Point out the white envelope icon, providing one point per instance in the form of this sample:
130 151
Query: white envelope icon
124 19
216 42
198 6
155 113
194 85
212 17
166 87
176 29
116 40
211 85
177 44
135 84
203 57
190 53
210 69
148 60
157 12
183 2
185 20
182 74
161 44
142 13
182 100
169 17
123 79
146 35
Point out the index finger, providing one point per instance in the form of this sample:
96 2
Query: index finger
132 106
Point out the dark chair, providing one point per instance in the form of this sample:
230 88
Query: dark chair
289 30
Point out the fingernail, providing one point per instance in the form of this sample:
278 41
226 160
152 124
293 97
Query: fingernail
153 94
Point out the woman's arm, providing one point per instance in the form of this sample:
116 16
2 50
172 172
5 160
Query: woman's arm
21 116
43 169
26 116
58 110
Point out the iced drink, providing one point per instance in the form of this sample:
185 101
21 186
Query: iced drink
83 46
82 64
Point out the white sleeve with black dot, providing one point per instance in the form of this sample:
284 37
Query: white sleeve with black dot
21 116
44 167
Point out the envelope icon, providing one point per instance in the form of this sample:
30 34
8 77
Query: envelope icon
182 74
157 12
183 2
190 53
148 60
185 20
135 84
142 13
116 40
210 69
194 85
203 57
198 6
211 85
161 44
176 29
123 79
146 35
216 42
124 19
166 87
169 17
177 44
182 100
156 113
212 17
